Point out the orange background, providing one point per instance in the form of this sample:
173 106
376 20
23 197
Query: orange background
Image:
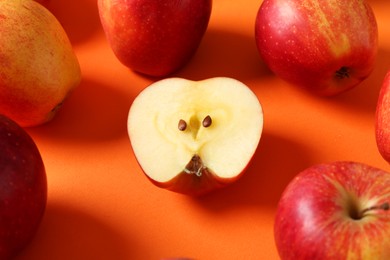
101 206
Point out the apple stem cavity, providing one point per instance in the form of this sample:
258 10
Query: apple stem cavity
195 166
207 121
182 125
342 73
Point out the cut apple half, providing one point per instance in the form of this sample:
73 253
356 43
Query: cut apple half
195 136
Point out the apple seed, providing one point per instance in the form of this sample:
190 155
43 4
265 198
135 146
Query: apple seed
207 121
182 125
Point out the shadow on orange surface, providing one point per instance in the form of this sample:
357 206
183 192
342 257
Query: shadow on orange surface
265 179
80 19
69 233
93 112
225 53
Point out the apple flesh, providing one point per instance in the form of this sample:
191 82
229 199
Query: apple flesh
38 68
154 37
338 210
195 136
23 188
382 119
326 47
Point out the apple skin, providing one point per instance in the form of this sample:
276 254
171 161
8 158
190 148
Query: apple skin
154 37
38 66
23 188
324 213
195 186
382 119
325 47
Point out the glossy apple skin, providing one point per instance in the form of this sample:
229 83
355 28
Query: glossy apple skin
324 46
38 67
23 188
154 37
316 215
382 119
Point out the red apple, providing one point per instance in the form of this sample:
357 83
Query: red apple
338 210
23 188
382 119
325 46
154 37
195 136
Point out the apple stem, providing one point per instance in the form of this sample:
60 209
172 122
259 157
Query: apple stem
182 125
207 121
385 206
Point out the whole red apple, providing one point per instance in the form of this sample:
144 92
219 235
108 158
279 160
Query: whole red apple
154 37
382 119
23 188
325 46
338 210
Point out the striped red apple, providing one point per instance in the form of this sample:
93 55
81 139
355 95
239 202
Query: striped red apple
324 46
336 210
382 119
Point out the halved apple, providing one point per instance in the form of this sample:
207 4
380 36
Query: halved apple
192 137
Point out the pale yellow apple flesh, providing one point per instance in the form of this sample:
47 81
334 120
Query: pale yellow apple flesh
177 125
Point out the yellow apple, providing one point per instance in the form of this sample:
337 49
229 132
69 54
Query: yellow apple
38 67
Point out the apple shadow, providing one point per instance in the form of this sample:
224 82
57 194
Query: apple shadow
276 162
225 53
80 19
69 233
93 112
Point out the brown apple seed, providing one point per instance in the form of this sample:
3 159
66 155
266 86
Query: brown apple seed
207 121
182 125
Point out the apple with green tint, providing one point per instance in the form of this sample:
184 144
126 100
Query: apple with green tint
38 68
382 119
324 46
23 188
154 37
195 136
337 210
